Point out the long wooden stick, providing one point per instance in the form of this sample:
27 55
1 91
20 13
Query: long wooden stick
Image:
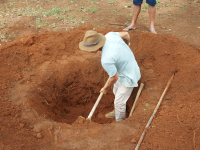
149 122
137 96
96 103
117 24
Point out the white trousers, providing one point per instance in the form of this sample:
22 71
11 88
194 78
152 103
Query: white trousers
122 94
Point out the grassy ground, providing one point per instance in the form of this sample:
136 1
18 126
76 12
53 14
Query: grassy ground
18 18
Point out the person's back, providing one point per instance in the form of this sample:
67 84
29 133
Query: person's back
118 58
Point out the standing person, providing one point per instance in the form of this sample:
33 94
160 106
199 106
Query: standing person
119 62
136 11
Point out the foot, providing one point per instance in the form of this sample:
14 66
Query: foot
110 114
128 29
154 32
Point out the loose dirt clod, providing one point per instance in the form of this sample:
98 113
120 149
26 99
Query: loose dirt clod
39 135
50 129
21 125
80 120
133 141
37 129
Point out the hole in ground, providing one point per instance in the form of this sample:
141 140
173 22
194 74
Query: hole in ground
72 89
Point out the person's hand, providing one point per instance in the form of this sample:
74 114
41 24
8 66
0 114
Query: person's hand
104 90
126 37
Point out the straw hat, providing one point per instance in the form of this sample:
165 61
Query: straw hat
92 41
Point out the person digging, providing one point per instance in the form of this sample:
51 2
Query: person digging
119 62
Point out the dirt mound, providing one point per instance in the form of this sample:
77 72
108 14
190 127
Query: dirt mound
46 78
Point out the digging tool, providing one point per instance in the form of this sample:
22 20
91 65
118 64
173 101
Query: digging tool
137 96
154 112
96 103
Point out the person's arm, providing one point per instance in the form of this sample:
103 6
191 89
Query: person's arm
111 82
126 37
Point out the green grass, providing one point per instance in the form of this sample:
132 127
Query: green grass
93 2
129 4
147 104
74 1
144 7
53 25
55 10
93 10
117 10
111 3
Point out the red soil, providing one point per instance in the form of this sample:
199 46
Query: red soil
47 82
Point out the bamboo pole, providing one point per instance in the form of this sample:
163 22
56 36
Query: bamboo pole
151 118
137 96
117 24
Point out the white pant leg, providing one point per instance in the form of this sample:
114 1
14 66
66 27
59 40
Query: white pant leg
115 87
121 96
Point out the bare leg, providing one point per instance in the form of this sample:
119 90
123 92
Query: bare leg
152 13
136 11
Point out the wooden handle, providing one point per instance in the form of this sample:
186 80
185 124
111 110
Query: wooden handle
96 103
137 96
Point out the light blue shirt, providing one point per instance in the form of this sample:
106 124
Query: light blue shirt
117 57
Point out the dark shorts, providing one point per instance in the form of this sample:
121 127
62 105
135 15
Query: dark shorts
139 2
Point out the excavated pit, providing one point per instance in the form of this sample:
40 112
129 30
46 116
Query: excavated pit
70 91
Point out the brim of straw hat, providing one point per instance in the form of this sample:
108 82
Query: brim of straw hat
93 48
